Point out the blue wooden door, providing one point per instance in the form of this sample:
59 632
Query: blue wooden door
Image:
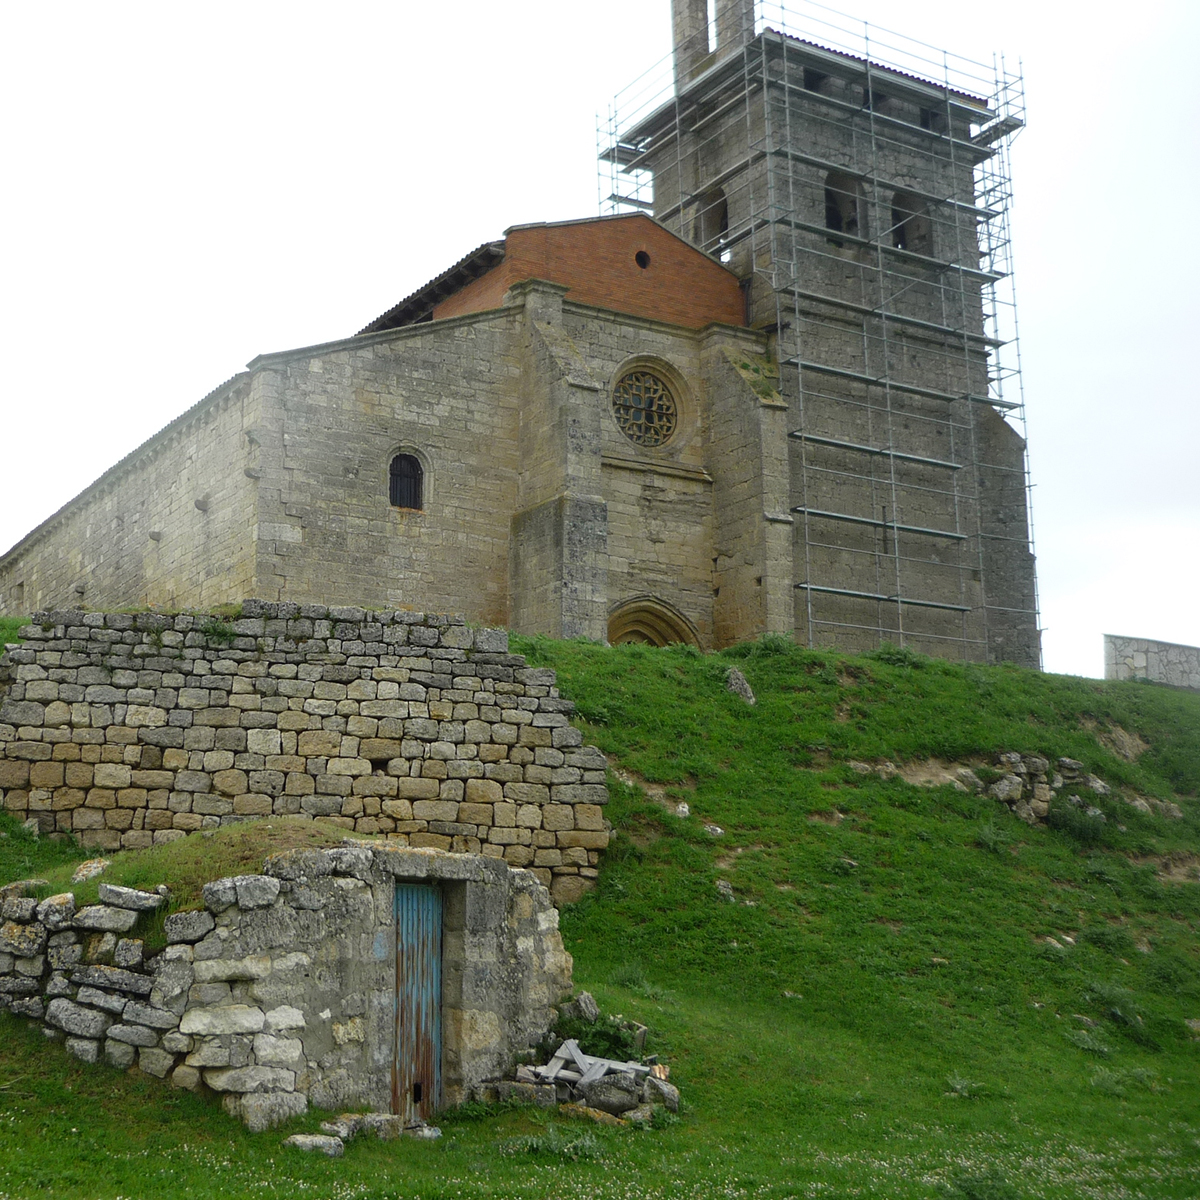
416 1067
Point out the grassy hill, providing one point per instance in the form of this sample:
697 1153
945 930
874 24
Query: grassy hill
896 991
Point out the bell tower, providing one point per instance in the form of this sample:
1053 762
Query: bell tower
863 203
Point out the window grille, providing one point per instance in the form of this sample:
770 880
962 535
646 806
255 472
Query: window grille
405 481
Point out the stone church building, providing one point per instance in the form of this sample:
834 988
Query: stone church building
759 404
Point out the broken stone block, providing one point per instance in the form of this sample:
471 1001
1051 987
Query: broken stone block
642 1115
1008 789
85 1049
384 1126
423 1132
119 1055
543 1095
344 1127
589 1114
18 908
256 891
105 918
615 1093
185 1077
736 683
188 926
155 1062
78 1021
56 912
316 1143
22 941
659 1091
89 870
131 898
266 1110
969 779
583 1008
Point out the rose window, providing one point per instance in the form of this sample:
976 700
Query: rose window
644 408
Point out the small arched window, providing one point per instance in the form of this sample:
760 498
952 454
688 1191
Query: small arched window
406 482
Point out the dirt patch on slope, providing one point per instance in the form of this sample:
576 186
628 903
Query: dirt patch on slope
1128 747
1177 867
926 772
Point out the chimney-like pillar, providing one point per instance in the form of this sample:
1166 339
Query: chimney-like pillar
735 25
689 21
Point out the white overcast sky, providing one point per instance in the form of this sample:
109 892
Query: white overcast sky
187 186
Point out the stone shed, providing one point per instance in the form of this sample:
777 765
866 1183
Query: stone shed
363 976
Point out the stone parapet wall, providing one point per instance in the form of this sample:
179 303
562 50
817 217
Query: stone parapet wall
281 990
1159 662
127 730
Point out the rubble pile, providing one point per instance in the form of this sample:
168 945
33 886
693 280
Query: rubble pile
1030 783
603 1089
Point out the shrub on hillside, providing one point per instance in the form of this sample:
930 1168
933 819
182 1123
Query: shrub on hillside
1076 823
898 656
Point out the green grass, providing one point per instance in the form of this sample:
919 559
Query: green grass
188 863
8 629
185 865
877 1013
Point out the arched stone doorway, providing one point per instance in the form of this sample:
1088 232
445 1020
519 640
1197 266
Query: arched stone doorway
649 621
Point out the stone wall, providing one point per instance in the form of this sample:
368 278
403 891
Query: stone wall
1159 662
170 524
128 730
281 991
333 417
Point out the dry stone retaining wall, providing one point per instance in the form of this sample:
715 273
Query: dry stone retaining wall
128 730
281 991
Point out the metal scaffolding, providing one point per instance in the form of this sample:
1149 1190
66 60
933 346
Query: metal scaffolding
858 182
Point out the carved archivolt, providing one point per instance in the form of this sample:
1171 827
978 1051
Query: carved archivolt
651 621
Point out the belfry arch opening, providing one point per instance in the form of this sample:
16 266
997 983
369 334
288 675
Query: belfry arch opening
843 205
711 228
911 227
650 622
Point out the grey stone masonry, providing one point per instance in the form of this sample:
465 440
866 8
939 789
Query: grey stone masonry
1159 662
282 991
127 730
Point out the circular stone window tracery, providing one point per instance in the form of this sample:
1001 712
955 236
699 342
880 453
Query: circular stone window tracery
644 408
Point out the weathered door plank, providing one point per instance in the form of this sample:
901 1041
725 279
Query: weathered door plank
416 1066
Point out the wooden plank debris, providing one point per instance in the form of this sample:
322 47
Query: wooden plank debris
584 1068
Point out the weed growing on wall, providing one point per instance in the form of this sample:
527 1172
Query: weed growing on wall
218 633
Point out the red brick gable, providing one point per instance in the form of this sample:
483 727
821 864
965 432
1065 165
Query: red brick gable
601 262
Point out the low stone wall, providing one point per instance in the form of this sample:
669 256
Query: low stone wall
282 990
1159 662
127 730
